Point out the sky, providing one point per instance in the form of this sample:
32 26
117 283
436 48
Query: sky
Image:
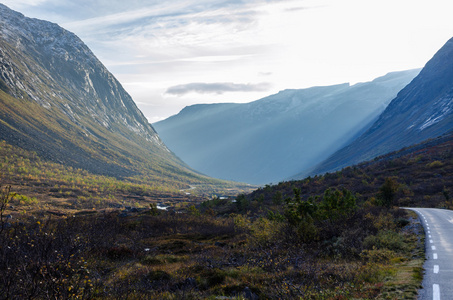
174 53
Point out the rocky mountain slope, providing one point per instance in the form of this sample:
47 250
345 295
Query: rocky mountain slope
422 110
57 99
276 137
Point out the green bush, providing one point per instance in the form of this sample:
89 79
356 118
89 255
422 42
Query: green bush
387 192
385 240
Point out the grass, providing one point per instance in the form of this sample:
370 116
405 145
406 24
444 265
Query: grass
408 270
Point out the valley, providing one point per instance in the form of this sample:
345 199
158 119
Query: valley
356 243
46 187
95 205
275 138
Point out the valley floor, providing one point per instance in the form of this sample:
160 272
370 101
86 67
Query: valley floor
160 255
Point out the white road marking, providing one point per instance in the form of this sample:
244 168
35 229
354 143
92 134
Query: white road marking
429 231
436 292
429 236
434 255
433 247
431 241
436 269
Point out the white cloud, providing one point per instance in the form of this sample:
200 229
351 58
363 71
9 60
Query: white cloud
11 3
216 88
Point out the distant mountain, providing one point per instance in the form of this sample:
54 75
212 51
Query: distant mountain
422 110
57 99
273 138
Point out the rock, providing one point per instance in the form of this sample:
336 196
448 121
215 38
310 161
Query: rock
248 294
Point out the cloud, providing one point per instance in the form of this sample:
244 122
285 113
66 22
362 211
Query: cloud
216 88
23 2
170 14
265 73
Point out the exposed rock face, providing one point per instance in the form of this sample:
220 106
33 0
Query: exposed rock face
46 54
276 137
59 100
422 110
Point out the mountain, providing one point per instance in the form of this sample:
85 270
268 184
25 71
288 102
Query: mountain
422 110
276 137
57 99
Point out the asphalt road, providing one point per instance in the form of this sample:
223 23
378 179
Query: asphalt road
438 278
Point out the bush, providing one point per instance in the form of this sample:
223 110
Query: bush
435 164
377 255
385 240
387 192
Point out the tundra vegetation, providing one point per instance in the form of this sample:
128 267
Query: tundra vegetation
336 236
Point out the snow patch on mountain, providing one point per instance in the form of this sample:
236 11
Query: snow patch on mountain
446 103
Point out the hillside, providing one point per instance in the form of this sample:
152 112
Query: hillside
422 110
274 138
58 100
422 175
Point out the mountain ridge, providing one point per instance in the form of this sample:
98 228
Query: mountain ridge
265 140
422 110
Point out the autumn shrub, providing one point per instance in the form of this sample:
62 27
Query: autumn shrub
387 239
44 260
435 164
377 255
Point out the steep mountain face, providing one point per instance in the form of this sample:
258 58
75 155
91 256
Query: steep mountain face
273 138
56 98
422 110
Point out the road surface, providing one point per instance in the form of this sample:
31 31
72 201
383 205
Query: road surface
438 278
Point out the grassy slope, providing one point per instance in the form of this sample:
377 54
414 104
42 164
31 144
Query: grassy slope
46 186
71 110
55 138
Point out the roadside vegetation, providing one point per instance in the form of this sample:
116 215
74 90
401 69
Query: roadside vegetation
337 236
196 255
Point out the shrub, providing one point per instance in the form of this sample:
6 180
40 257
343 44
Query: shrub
337 205
385 240
435 164
242 203
387 192
377 255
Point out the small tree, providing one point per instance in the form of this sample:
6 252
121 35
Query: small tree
337 204
387 192
300 215
242 203
5 198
